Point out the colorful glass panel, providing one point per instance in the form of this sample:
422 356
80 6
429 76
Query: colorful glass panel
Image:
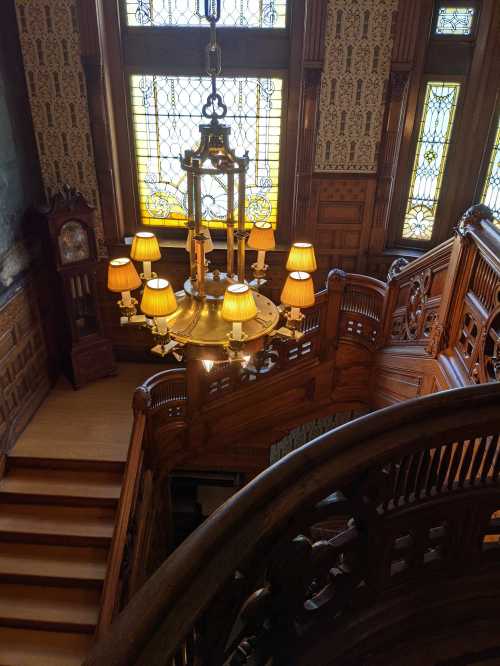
182 13
430 159
491 192
454 21
166 115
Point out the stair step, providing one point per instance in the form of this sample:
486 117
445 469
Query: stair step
22 647
61 486
59 565
26 460
80 526
52 608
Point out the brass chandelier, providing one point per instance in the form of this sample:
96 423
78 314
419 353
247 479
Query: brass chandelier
218 316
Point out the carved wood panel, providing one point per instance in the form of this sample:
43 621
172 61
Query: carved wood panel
339 221
24 375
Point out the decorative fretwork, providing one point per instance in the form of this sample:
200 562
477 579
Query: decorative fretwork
183 13
430 159
468 337
491 191
455 21
419 290
491 350
166 118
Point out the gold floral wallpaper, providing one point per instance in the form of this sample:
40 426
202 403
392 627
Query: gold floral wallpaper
358 46
48 30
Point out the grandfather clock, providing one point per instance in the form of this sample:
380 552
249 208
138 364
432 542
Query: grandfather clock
86 353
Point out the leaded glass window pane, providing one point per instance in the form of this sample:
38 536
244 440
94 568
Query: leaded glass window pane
491 192
182 13
166 115
455 21
430 159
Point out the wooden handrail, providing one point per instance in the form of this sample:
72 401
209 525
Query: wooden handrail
131 477
163 613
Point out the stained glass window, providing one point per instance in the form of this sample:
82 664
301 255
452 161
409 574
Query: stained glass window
166 114
235 13
454 21
491 192
430 159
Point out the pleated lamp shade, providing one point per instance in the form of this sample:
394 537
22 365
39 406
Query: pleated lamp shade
158 299
239 303
261 237
208 245
298 290
301 258
145 247
122 275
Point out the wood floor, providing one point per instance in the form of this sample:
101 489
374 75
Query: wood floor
58 499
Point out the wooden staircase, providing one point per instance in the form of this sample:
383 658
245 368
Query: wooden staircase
56 524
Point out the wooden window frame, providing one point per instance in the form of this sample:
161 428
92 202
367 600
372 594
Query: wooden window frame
470 61
123 51
488 149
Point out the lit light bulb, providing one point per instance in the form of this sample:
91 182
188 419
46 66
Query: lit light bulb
208 364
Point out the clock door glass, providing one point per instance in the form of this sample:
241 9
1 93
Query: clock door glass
73 243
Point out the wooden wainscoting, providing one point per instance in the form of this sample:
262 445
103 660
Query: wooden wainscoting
24 371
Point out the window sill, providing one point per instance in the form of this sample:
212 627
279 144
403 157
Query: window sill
221 245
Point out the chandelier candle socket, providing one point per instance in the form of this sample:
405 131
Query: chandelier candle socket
158 301
301 258
123 278
145 248
238 306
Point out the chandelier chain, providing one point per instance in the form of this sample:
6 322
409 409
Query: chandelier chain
214 107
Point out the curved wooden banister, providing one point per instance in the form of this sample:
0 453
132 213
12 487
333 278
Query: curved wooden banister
161 620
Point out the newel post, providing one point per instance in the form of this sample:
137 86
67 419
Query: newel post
335 285
460 266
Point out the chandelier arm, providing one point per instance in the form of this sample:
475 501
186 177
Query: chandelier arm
241 235
200 249
191 227
230 224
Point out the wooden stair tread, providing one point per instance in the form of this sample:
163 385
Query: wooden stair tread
67 524
36 561
62 483
24 647
66 449
44 606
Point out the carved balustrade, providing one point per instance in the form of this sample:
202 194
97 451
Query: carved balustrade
446 306
415 492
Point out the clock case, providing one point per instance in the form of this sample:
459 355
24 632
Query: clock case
86 355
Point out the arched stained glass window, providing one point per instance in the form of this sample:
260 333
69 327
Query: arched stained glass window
491 191
166 113
436 125
182 13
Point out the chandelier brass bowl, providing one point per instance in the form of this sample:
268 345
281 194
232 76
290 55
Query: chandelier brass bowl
198 320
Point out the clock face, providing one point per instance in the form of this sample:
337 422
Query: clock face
73 243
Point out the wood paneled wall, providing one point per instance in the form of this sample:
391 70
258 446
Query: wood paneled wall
24 368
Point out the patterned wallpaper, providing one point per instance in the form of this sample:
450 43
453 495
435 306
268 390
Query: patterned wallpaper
358 46
48 31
